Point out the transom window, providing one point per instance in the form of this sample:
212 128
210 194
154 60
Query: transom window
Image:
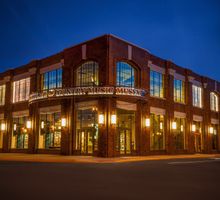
179 91
156 84
197 96
213 101
125 75
87 74
51 79
21 90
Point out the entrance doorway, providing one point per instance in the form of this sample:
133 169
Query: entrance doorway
198 143
125 138
86 140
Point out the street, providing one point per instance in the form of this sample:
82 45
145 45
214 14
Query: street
161 179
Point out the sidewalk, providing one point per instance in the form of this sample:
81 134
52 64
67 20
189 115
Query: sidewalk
45 158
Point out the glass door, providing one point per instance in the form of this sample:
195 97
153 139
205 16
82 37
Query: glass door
125 141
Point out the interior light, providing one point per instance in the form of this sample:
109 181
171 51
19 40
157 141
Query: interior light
42 125
15 127
211 130
161 125
113 119
63 122
28 124
147 122
174 125
193 128
3 127
101 119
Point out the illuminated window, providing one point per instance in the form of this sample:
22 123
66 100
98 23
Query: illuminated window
179 133
197 96
198 136
21 90
19 133
51 79
157 141
1 134
179 91
213 101
125 75
156 84
214 137
87 74
2 95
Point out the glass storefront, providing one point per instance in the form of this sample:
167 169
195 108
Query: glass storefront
50 131
214 137
19 133
198 140
157 137
125 138
87 130
179 133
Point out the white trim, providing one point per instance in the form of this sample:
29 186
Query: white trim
22 113
157 111
179 114
156 68
51 67
214 121
197 118
126 105
50 109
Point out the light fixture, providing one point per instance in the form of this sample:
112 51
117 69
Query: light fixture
174 125
101 119
161 125
28 124
113 119
63 122
211 130
15 127
3 126
147 122
181 128
193 128
42 125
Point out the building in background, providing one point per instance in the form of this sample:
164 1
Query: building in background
107 97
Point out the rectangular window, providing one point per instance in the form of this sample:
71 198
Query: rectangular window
179 91
2 95
179 133
156 84
51 79
157 139
197 96
213 101
21 90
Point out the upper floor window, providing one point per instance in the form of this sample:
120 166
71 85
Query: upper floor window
87 74
197 96
51 79
125 75
179 91
2 95
213 101
156 84
21 90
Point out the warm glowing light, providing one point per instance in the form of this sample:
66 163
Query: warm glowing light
181 128
211 130
147 122
15 127
42 125
101 119
174 125
193 128
63 122
3 127
28 124
113 119
161 125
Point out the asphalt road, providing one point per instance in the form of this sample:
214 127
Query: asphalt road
167 179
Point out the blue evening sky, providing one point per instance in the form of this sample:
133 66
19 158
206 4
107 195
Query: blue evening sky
186 32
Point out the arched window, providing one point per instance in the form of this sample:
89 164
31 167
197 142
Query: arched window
125 75
213 101
87 74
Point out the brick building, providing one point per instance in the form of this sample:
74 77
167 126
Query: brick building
107 97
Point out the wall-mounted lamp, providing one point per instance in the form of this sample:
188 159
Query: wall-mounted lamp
193 128
42 125
147 122
63 122
161 125
3 126
113 119
211 130
181 128
28 124
15 127
101 119
174 125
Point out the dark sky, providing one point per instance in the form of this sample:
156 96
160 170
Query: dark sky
186 32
